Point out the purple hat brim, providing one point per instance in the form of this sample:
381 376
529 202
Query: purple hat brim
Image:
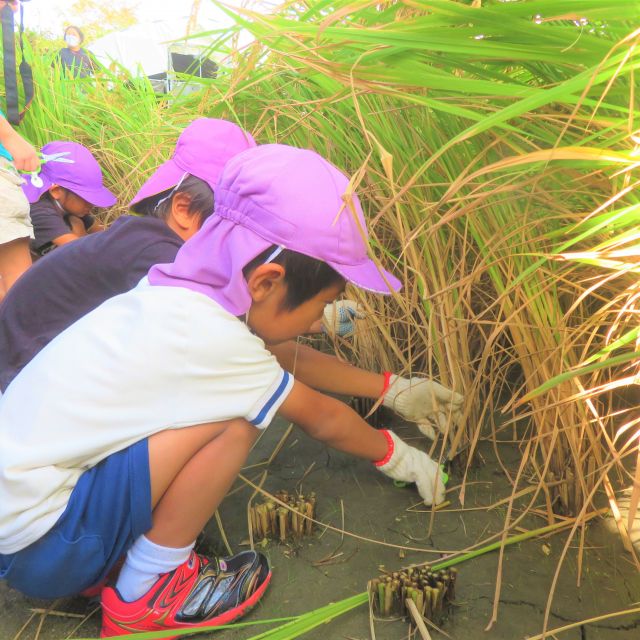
166 176
32 192
100 197
368 276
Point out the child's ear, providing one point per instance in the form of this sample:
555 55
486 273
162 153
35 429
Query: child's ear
264 280
180 211
56 192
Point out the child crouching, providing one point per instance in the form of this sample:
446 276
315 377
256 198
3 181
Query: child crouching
62 195
176 383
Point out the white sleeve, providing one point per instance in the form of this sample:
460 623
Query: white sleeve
219 370
265 409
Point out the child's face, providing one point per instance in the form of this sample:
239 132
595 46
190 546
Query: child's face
70 202
269 320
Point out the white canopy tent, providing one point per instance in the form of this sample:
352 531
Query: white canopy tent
144 49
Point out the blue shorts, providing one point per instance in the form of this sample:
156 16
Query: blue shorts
109 508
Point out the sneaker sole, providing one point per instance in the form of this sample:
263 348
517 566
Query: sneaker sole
224 618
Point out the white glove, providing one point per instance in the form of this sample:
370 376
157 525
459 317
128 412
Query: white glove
339 318
425 402
409 464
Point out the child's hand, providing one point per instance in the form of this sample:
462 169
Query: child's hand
77 225
339 318
25 157
409 464
425 402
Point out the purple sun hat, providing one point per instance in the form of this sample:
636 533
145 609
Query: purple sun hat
202 150
275 195
75 169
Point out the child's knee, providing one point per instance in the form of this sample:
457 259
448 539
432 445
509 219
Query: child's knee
242 432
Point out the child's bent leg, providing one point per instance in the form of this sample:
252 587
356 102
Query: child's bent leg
15 259
191 472
16 229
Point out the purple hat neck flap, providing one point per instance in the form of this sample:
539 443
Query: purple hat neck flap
274 194
72 166
202 150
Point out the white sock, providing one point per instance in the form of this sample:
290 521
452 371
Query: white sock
144 564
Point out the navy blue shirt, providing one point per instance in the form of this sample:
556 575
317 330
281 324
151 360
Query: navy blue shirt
78 63
49 223
74 279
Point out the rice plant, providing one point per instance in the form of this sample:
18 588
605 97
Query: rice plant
495 149
480 151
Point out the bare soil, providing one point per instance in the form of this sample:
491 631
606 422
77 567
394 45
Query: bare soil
328 567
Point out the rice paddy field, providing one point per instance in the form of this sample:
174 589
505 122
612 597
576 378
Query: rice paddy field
495 146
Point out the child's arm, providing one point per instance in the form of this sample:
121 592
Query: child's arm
95 227
89 224
334 423
326 373
50 228
77 231
418 400
25 157
65 238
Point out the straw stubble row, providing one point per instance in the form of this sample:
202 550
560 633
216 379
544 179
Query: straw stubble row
270 520
431 591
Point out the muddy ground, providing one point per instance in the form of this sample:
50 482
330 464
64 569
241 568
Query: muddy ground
327 568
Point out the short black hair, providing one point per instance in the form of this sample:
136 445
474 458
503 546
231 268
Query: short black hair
78 29
159 205
304 276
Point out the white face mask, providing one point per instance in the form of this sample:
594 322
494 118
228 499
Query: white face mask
71 40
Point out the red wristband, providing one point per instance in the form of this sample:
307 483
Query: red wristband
387 382
390 450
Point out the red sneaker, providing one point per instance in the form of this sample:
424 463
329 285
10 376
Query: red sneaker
199 593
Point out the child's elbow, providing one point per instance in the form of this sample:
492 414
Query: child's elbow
327 420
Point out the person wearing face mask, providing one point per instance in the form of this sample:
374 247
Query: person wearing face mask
73 58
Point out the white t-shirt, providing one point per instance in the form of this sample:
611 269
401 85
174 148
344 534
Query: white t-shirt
151 359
